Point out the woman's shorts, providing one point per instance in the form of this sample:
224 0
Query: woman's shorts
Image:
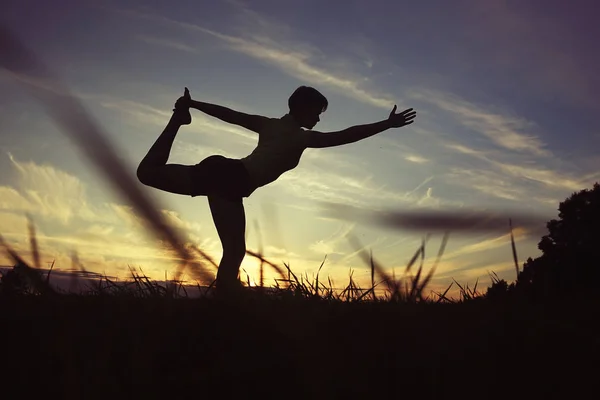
221 176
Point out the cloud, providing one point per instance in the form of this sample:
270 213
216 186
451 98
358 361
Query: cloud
14 225
167 43
193 153
174 219
109 235
12 200
362 191
548 177
490 183
321 247
330 245
506 131
498 182
413 195
330 160
313 184
299 60
35 81
469 273
399 149
279 252
46 191
417 159
488 244
137 112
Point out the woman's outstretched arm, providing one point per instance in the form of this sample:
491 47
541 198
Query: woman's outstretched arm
359 132
248 121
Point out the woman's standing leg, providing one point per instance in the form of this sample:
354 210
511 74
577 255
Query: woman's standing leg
230 220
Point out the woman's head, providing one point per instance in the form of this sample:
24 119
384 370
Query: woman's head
306 103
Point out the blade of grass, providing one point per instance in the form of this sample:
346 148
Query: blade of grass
276 267
437 261
514 248
49 272
35 251
32 274
317 277
443 296
370 260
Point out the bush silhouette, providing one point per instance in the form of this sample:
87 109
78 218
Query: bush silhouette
499 289
569 260
13 283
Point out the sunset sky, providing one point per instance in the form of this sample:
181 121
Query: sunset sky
506 94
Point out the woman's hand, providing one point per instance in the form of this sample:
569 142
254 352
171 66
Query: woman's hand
404 118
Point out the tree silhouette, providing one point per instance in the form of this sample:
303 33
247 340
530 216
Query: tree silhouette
569 262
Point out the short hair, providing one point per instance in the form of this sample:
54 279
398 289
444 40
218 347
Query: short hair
305 97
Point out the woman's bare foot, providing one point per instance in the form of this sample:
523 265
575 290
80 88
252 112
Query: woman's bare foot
181 112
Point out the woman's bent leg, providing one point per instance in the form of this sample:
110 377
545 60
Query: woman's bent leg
155 172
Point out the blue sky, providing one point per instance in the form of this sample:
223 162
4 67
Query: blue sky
506 94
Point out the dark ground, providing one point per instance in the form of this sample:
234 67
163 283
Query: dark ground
100 347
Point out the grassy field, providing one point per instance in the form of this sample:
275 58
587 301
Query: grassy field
106 346
142 340
301 339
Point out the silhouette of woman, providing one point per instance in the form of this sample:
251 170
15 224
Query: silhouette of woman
225 181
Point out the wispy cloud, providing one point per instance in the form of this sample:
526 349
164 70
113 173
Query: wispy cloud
506 179
471 273
69 220
279 252
546 176
399 149
419 186
363 192
137 112
488 244
416 159
173 44
330 245
490 183
507 131
47 191
299 60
